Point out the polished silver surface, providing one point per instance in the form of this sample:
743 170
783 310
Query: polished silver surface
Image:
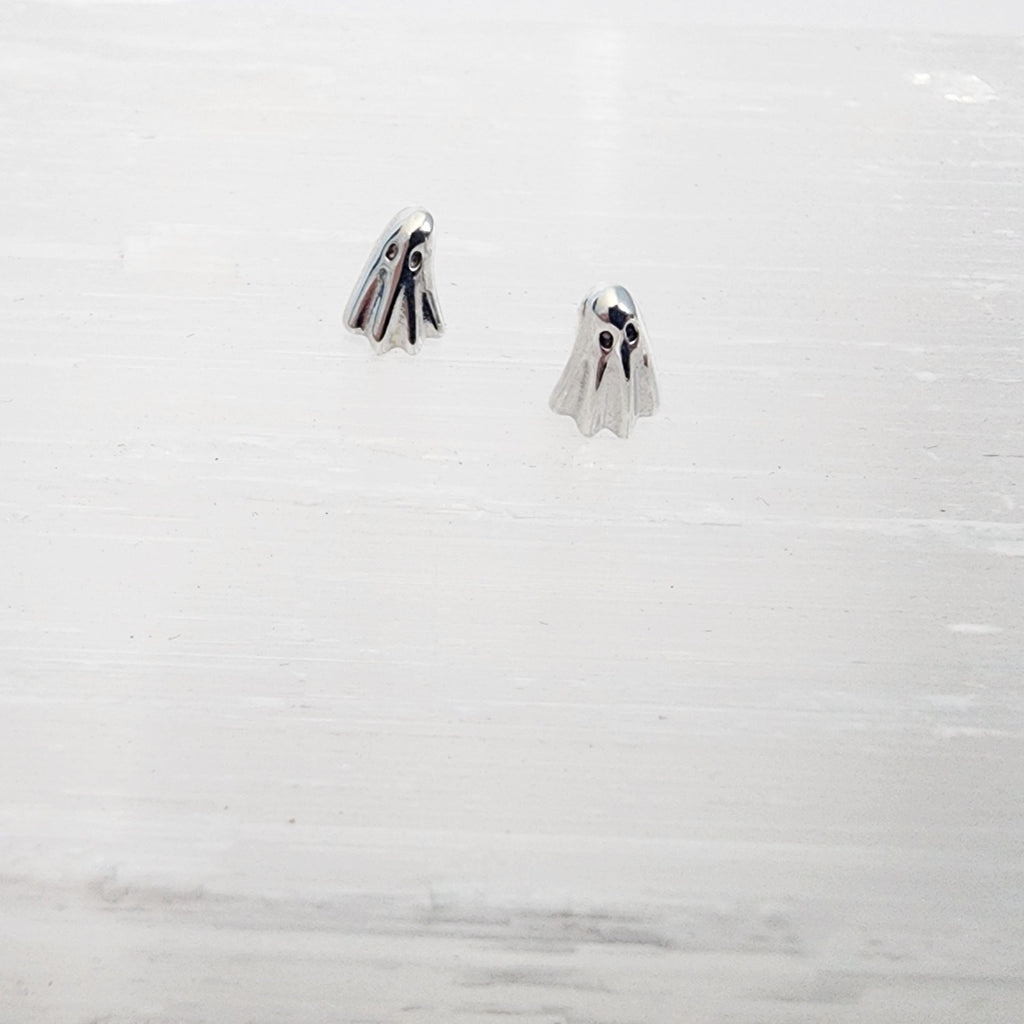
609 379
393 303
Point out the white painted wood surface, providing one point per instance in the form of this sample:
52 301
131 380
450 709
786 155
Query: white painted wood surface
341 688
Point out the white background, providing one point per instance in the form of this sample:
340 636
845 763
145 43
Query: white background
345 688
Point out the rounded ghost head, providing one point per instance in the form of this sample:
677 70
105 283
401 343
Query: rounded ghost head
406 243
609 379
616 330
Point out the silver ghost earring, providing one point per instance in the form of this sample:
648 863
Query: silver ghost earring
393 303
609 379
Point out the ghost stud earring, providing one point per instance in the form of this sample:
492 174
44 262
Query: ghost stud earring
609 379
393 303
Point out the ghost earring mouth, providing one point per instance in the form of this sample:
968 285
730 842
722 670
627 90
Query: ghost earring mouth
624 353
629 345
